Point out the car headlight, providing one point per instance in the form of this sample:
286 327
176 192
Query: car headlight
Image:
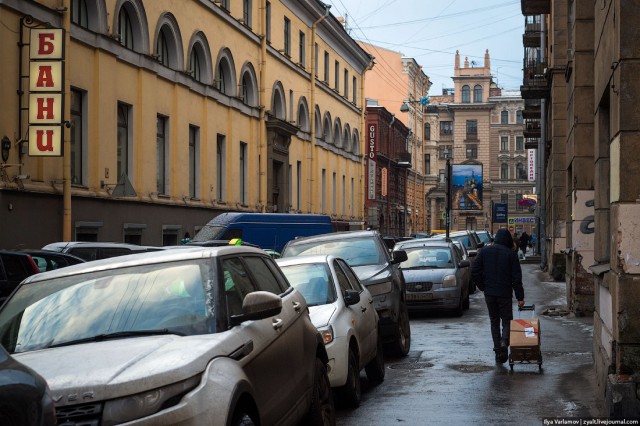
327 334
381 288
144 404
449 281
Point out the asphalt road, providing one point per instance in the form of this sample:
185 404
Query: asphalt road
450 376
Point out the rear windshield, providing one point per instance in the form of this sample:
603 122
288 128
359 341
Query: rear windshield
355 251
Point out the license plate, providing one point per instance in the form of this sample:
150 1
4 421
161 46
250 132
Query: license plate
423 296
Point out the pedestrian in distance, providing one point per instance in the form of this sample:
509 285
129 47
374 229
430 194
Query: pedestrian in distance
524 242
496 272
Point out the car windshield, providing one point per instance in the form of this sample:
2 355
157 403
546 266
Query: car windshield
313 281
355 251
427 257
484 237
166 297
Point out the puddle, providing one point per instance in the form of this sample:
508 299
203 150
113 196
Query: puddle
471 368
411 365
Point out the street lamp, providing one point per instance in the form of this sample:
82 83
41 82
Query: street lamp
447 156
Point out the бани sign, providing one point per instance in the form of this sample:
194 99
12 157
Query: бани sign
46 86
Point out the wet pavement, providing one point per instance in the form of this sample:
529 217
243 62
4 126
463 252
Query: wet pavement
450 376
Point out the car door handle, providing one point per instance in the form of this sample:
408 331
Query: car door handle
363 309
371 301
297 306
277 323
242 351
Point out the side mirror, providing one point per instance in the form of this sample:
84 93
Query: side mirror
399 256
258 305
464 264
480 245
351 297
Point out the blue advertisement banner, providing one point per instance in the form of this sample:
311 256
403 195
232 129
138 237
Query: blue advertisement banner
467 186
500 212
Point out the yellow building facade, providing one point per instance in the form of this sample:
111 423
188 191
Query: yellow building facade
177 111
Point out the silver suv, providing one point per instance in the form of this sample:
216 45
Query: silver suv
377 269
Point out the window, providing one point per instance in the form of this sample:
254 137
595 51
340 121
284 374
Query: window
124 137
77 136
504 199
346 83
472 130
246 12
323 206
427 132
354 87
521 173
244 158
446 128
504 171
466 94
79 15
519 205
333 194
268 29
248 87
299 185
161 154
519 143
519 119
195 67
441 154
353 191
225 4
125 29
220 167
162 49
194 154
287 36
472 151
301 50
477 93
316 64
504 117
344 195
427 164
336 83
504 143
326 67
290 104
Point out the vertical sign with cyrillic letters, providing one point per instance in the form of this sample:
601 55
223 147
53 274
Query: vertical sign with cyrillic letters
372 135
46 86
531 155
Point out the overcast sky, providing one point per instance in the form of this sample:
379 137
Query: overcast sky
432 30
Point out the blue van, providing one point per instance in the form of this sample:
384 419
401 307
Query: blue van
267 230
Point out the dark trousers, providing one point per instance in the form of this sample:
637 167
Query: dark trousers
499 310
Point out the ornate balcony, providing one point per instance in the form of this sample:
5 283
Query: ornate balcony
531 108
535 80
532 31
535 7
532 128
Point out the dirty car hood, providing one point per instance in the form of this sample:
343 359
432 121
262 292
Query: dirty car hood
114 368
369 274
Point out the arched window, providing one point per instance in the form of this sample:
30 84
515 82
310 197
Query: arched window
466 94
477 93
356 142
318 124
199 65
327 128
131 23
303 115
337 133
427 132
79 13
519 119
89 14
249 85
504 171
169 42
278 103
226 73
504 117
520 171
346 138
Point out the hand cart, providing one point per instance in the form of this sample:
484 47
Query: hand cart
524 340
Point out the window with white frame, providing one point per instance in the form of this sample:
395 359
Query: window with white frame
519 143
466 94
504 171
504 143
477 93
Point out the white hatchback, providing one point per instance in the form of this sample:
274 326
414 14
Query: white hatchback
342 309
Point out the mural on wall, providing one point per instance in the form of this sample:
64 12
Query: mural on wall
583 225
467 186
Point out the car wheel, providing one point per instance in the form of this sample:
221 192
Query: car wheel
375 368
322 411
465 304
351 393
402 344
458 311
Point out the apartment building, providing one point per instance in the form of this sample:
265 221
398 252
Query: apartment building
172 115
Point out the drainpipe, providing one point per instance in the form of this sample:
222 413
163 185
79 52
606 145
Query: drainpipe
66 158
312 100
364 134
542 205
262 159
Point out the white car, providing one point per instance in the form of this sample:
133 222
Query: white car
197 336
342 309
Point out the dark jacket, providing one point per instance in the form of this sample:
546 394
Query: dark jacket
496 269
524 241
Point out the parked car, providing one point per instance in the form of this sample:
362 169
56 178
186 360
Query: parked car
194 336
434 273
377 269
14 267
25 399
485 237
342 309
89 251
467 237
462 252
47 260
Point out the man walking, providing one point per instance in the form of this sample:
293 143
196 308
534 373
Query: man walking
496 271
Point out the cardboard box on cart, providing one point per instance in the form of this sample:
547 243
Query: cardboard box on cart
525 333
